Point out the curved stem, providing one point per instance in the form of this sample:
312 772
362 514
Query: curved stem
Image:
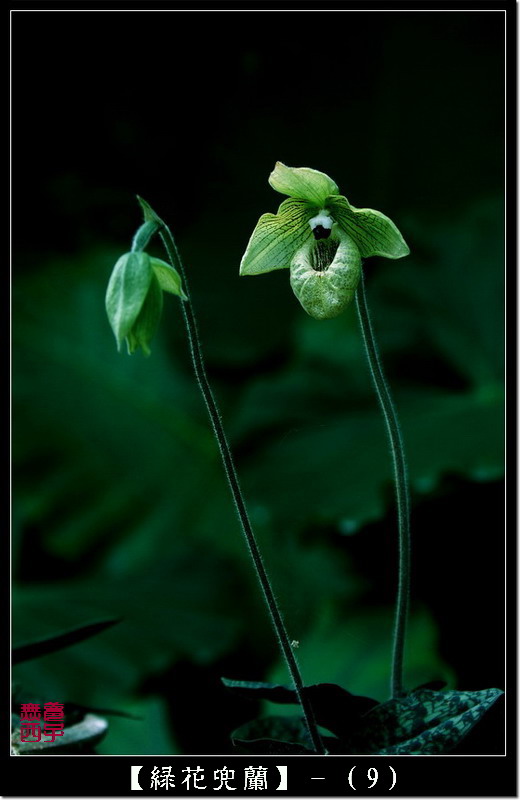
234 485
401 487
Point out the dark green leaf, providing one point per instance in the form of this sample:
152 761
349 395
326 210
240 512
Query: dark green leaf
450 295
76 502
355 651
344 482
256 690
273 735
166 616
42 647
334 707
148 733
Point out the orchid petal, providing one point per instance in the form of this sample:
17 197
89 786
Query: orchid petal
277 237
374 233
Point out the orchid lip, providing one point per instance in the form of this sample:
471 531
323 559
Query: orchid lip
325 274
323 253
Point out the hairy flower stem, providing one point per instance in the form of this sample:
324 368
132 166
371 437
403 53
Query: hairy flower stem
401 486
234 485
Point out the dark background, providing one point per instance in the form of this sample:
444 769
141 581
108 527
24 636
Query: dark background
120 506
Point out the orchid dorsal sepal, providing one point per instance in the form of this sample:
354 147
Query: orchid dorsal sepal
315 211
302 183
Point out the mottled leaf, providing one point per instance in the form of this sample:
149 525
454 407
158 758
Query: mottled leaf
423 723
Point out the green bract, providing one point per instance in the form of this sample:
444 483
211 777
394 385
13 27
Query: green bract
321 238
134 298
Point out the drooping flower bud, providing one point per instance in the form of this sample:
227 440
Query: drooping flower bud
134 298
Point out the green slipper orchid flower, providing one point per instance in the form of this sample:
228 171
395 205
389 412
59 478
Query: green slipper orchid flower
321 238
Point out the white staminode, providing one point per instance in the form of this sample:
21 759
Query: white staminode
323 218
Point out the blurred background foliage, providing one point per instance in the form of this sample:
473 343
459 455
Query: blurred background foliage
120 505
